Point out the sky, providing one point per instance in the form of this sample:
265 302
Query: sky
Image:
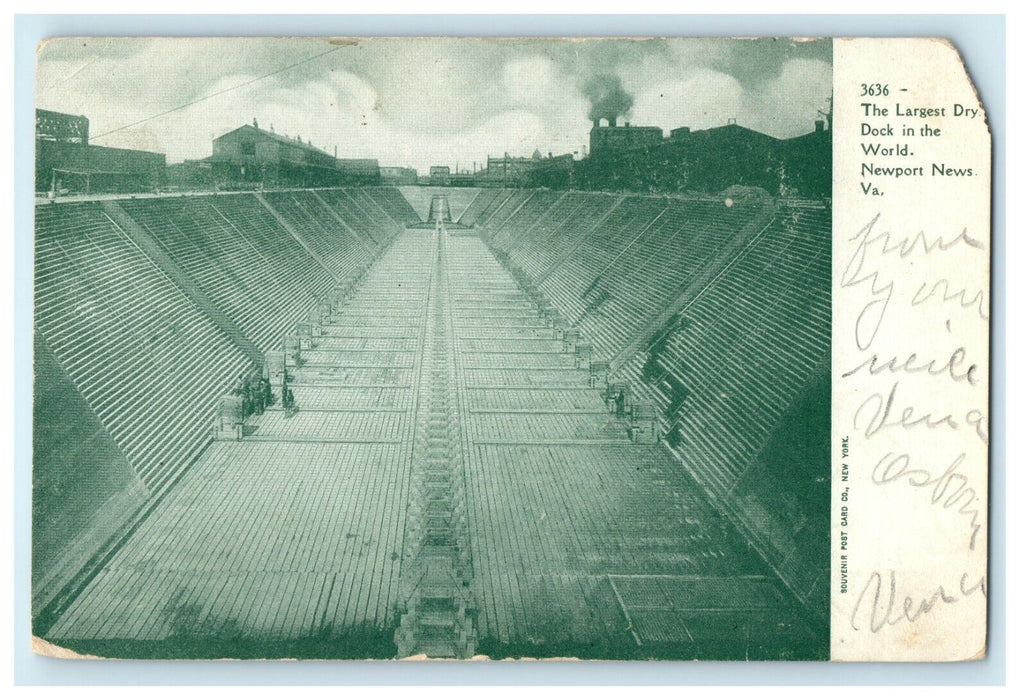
422 102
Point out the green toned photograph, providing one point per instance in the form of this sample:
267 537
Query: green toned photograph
374 348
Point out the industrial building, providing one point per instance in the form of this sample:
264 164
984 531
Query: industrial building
251 155
439 175
66 163
507 171
396 176
621 138
705 160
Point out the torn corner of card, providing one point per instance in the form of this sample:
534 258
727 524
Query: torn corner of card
912 198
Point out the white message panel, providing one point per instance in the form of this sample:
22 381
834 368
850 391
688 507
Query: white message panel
912 159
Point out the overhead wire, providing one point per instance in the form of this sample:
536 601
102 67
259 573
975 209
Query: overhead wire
215 94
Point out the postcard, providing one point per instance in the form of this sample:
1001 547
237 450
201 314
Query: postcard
468 348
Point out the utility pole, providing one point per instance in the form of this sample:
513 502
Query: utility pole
829 113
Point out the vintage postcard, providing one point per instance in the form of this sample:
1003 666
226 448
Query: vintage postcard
372 348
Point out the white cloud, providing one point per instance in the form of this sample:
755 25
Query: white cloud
704 99
787 105
529 81
416 102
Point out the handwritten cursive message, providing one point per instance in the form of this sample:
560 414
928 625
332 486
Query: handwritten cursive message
911 355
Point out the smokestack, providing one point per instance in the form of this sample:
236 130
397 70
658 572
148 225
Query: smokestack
336 151
608 98
818 125
595 123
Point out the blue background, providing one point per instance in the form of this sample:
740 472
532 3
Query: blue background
980 39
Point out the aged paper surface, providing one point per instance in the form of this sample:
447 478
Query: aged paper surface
531 348
912 166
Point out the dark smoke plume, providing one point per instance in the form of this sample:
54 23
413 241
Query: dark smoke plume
608 98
